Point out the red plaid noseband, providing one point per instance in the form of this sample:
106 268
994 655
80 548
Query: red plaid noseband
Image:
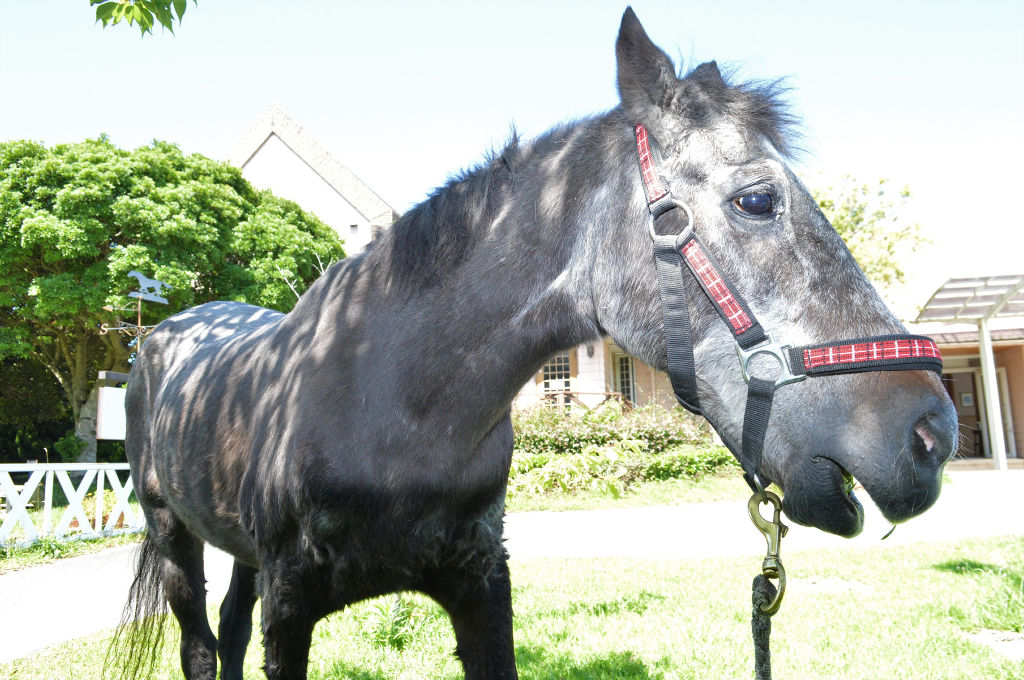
682 250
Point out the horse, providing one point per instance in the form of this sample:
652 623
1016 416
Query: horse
360 444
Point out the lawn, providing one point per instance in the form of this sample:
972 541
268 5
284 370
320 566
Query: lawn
903 612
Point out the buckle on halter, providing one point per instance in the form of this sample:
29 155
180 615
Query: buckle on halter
661 207
772 348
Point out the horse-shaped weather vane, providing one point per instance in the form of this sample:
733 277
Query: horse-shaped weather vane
149 290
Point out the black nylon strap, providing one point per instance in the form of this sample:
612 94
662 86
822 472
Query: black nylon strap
755 426
675 313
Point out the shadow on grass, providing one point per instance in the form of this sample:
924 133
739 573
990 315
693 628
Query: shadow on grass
540 664
967 567
636 604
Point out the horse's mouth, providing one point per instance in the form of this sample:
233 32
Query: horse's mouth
825 499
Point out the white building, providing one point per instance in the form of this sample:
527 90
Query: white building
279 155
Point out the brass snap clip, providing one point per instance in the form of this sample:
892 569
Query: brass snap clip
773 532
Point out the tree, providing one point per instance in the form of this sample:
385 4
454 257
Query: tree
867 217
75 219
33 411
142 13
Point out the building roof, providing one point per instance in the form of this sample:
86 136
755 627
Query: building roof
974 299
275 122
1012 336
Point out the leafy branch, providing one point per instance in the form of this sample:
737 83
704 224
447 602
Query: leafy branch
142 13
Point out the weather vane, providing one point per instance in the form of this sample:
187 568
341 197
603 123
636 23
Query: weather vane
149 289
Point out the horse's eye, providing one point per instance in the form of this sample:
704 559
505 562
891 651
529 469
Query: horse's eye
754 204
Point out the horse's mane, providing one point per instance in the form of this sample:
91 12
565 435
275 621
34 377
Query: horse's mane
433 237
430 240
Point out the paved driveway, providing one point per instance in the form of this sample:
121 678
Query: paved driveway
70 598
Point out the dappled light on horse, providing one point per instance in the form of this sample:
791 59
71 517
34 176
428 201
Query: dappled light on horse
361 444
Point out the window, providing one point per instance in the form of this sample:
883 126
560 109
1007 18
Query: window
556 376
624 377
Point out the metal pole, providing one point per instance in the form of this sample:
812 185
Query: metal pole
990 386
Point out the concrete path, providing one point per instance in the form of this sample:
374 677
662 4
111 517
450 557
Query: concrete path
70 598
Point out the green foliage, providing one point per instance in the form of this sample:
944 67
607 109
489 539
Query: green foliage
142 13
867 217
606 451
688 461
89 504
392 621
551 431
76 218
69 446
606 469
29 393
51 548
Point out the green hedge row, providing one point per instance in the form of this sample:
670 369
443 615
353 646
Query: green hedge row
554 431
607 450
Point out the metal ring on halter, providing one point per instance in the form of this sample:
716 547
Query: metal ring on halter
671 203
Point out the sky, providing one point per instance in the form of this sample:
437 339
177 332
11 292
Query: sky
926 94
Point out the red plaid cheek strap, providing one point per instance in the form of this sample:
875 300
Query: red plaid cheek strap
678 249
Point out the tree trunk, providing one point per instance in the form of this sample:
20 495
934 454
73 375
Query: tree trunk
85 426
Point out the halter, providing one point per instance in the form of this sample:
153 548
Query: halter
676 252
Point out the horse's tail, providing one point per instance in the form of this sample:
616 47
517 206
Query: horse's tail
139 637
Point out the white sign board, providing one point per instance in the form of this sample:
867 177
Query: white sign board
110 416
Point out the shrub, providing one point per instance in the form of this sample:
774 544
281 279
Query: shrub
548 431
688 461
607 450
69 446
606 469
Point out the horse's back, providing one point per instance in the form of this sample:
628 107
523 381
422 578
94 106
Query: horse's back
187 399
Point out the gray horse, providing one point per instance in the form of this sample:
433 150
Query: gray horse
360 444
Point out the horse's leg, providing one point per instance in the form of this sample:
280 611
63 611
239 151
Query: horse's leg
292 602
236 621
478 598
185 586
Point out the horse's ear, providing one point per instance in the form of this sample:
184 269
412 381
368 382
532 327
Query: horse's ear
645 73
708 75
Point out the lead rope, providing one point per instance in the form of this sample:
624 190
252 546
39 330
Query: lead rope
765 597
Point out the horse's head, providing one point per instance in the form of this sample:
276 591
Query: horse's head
721 150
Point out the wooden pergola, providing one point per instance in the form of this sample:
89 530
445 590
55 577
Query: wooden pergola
978 300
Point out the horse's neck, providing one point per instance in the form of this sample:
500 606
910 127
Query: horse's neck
467 345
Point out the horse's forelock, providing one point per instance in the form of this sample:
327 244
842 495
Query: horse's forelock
755 105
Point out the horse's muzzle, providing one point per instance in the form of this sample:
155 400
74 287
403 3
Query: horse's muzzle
895 447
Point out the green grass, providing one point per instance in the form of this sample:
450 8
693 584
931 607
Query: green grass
901 612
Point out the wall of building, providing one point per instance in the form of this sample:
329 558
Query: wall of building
276 167
1012 358
1008 357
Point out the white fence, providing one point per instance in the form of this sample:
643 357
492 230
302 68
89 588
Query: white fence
74 523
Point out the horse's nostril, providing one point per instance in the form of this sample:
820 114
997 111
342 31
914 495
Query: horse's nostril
930 440
926 437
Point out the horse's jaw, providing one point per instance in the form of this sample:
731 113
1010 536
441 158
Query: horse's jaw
820 494
818 486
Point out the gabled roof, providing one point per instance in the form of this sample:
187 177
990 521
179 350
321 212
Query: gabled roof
274 121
